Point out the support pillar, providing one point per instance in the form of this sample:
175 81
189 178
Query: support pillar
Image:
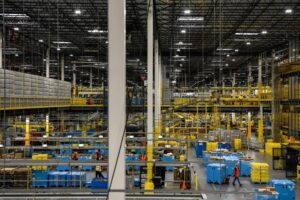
116 98
157 70
149 183
62 122
74 80
48 62
1 47
27 132
91 78
260 115
62 67
250 78
47 126
293 49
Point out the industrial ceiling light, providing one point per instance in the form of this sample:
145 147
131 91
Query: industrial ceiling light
106 42
228 55
58 49
16 28
96 31
264 32
224 49
71 55
186 18
183 31
77 12
233 60
178 50
41 41
244 33
236 50
288 11
248 43
187 12
61 42
14 15
226 65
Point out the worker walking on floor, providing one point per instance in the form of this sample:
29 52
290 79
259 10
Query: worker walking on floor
236 174
99 172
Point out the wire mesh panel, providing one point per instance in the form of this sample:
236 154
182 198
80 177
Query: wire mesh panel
292 160
279 158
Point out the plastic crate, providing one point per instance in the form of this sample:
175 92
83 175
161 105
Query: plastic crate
63 167
99 184
39 178
86 167
245 167
57 179
224 145
74 179
200 146
168 159
216 173
231 162
285 188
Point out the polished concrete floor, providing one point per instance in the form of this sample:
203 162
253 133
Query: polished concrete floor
228 191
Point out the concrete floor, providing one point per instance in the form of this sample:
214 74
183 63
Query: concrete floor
230 192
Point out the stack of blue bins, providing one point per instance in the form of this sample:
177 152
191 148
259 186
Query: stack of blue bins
200 146
216 173
264 195
133 158
39 178
224 145
206 156
99 184
75 178
231 162
285 188
245 167
66 149
168 159
57 179
63 167
86 167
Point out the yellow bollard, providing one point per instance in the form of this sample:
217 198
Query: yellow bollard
196 182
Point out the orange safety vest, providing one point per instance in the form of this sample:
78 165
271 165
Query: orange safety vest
236 172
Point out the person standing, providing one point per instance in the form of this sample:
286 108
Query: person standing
236 174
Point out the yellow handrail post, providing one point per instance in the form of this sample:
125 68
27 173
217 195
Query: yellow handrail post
27 132
196 182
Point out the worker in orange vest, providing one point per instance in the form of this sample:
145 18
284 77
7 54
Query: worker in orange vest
236 174
76 155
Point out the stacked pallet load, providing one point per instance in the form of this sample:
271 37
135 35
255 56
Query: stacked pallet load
237 144
259 172
39 157
211 146
270 146
15 177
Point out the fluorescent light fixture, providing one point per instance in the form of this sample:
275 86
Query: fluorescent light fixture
264 32
191 26
16 28
44 145
244 33
178 56
228 55
182 59
71 55
1 145
183 31
186 18
61 42
181 43
248 43
106 42
58 48
81 145
236 50
77 12
97 31
13 15
233 60
187 12
41 41
224 49
17 55
226 65
100 136
288 11
178 50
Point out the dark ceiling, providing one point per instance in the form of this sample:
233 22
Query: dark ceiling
213 31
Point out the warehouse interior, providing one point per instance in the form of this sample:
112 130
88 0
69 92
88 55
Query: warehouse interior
150 99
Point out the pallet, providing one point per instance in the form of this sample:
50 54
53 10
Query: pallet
224 183
261 183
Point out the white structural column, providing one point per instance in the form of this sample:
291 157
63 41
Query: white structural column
62 67
160 88
156 84
116 98
91 77
149 184
261 114
1 47
48 62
